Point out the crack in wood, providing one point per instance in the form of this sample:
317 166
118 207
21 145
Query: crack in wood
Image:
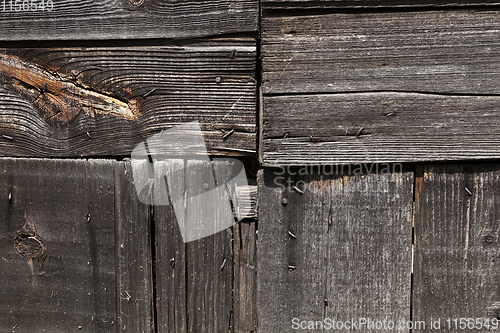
58 99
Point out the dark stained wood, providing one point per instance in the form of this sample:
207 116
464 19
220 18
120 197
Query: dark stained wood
94 274
456 243
209 286
52 98
397 127
124 19
73 284
245 277
325 4
425 51
361 262
171 288
135 288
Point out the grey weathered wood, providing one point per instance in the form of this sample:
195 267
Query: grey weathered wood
313 4
422 127
361 262
441 51
51 98
456 269
194 293
124 19
95 272
133 233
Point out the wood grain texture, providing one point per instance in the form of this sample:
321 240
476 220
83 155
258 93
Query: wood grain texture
122 19
360 262
328 4
206 284
420 127
456 243
133 234
51 98
89 277
439 51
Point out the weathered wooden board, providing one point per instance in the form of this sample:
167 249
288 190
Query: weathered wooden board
452 52
397 127
313 4
356 266
456 266
90 101
133 234
205 285
72 234
112 19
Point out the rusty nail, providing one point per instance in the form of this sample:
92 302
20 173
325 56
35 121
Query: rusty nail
292 235
7 137
291 267
285 136
149 93
389 114
298 190
359 132
217 79
284 201
488 239
228 134
233 53
223 264
468 191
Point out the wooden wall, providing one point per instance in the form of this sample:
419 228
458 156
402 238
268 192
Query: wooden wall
401 95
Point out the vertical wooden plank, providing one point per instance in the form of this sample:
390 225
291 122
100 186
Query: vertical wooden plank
303 258
72 285
369 251
170 254
134 255
209 259
456 245
245 277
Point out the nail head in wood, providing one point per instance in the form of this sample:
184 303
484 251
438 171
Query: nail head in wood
218 79
228 134
284 201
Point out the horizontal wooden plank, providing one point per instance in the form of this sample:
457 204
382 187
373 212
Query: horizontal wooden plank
340 250
429 51
62 226
396 127
64 102
112 19
324 4
456 245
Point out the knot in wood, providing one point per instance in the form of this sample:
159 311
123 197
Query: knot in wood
28 244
